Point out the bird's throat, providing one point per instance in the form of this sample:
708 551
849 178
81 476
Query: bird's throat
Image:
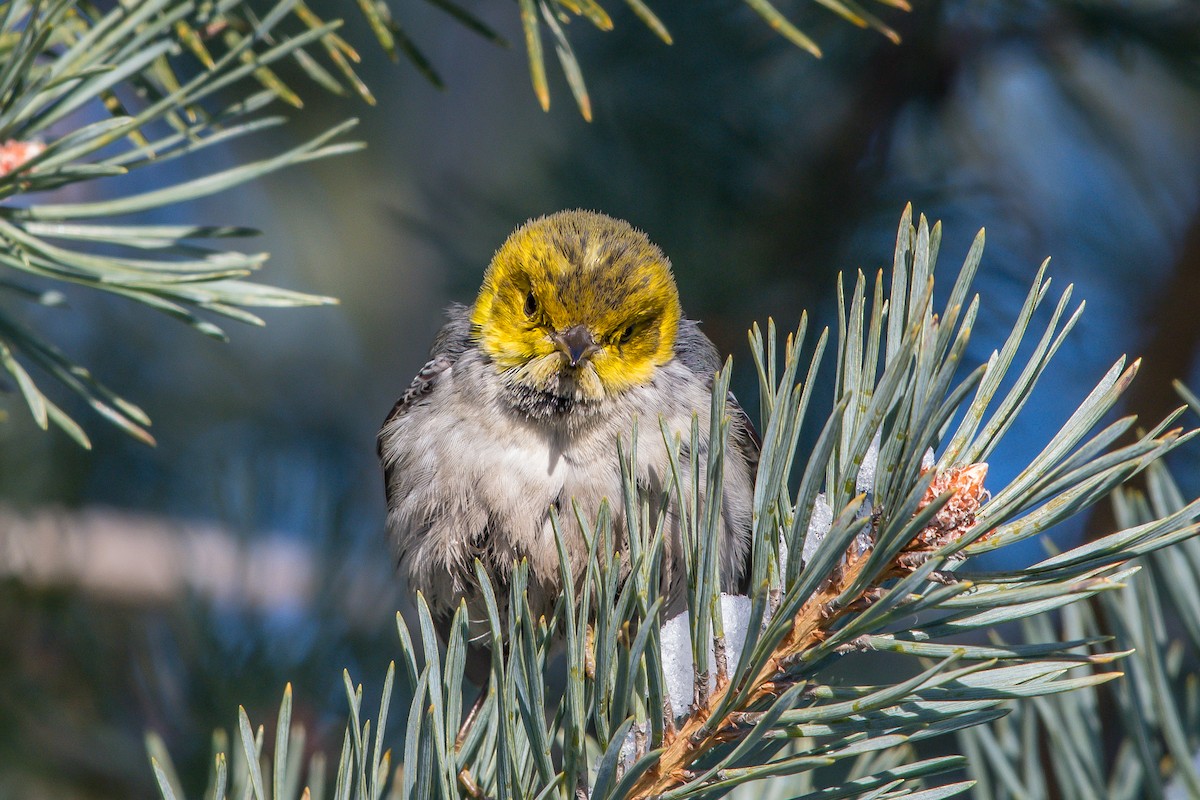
565 394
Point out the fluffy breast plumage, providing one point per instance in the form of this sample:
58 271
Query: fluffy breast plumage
468 476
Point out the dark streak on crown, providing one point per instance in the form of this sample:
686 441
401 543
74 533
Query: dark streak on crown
613 271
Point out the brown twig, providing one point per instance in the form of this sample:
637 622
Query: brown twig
700 733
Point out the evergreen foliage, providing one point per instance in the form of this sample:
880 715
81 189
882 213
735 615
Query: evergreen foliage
88 93
1128 739
556 16
889 574
846 559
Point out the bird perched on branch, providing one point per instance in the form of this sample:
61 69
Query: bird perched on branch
576 331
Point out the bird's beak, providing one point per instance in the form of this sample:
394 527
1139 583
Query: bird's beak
576 343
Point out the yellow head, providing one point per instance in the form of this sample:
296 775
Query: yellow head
578 305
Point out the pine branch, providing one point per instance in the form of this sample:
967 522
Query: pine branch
870 552
556 16
172 80
854 587
1135 738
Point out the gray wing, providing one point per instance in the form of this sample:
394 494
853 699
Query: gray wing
448 345
699 355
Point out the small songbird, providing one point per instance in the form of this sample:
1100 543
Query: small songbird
577 331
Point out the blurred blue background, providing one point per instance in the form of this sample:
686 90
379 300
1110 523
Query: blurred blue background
1069 130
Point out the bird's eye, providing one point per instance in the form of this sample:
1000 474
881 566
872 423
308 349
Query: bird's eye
626 335
531 305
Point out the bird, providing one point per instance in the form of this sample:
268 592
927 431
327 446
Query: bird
577 331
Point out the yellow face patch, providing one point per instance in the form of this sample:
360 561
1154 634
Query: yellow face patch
578 299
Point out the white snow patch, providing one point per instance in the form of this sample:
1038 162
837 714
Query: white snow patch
865 481
818 525
863 541
678 667
629 745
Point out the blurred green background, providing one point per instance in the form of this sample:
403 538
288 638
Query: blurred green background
159 588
